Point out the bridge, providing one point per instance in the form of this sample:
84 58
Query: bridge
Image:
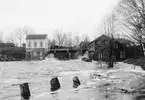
64 53
67 50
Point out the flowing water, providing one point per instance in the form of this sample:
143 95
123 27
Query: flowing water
39 73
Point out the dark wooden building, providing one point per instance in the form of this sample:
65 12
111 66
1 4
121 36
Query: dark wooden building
99 48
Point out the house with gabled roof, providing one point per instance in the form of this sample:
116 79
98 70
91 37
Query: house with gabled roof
36 46
99 48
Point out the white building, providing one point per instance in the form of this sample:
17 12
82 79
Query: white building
36 46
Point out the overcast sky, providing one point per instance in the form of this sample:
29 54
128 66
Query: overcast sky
45 16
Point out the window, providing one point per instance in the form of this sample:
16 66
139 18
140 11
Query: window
41 44
122 55
35 44
106 42
29 44
99 42
115 46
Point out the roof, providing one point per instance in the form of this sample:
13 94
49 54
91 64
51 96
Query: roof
102 37
36 36
84 43
122 40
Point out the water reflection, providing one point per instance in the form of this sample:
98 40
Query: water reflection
25 98
55 96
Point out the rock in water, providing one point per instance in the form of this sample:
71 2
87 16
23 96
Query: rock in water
76 82
25 92
55 85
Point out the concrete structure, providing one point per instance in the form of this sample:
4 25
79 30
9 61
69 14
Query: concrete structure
36 46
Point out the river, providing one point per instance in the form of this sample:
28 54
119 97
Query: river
39 73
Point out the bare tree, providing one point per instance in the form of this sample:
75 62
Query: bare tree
85 38
53 42
133 15
19 35
76 41
68 40
49 43
22 32
110 24
27 30
12 39
109 29
60 37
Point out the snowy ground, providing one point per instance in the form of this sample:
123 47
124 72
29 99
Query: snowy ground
97 83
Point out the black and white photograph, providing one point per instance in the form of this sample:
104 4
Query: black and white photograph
72 49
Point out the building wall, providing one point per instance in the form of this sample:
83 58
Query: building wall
121 49
44 43
102 52
91 47
36 51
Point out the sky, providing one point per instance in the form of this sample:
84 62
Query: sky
45 16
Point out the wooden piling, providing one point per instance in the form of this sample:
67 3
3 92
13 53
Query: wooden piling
25 92
76 82
55 85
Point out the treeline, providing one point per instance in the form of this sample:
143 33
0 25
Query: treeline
67 39
60 37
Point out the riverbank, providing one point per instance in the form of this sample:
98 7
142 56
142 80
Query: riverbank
137 61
